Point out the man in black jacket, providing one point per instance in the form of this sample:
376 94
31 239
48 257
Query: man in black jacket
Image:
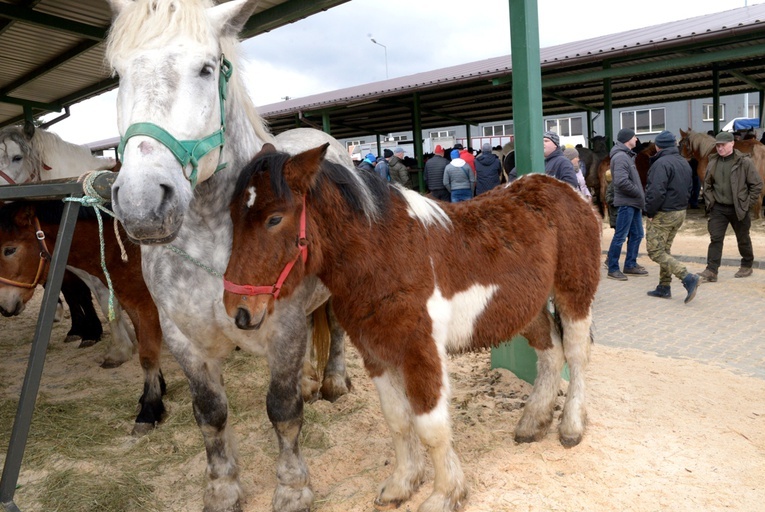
434 175
666 199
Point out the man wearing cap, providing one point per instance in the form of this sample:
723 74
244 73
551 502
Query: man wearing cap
666 199
399 173
488 170
369 162
459 179
557 165
434 175
629 199
731 185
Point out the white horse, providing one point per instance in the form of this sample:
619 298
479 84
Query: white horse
178 90
30 155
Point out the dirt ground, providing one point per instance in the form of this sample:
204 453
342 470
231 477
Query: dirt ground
663 434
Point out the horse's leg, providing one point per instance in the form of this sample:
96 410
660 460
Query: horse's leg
309 382
576 347
284 405
410 467
149 348
123 337
435 431
543 335
210 404
85 322
336 381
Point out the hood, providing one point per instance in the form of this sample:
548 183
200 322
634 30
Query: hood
458 162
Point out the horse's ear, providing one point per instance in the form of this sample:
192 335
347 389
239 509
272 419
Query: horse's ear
682 133
302 169
29 129
118 5
229 17
266 149
25 216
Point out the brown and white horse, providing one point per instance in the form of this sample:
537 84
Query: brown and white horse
701 145
413 280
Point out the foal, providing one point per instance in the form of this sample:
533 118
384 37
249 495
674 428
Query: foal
413 280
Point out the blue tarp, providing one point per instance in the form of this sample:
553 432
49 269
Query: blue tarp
745 124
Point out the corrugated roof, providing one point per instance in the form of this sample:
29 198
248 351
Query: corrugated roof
664 62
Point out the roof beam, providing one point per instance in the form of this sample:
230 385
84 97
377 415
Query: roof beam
287 12
651 67
16 13
571 102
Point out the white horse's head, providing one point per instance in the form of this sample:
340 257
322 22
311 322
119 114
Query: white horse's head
170 56
20 162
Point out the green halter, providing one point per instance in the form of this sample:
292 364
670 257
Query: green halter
187 151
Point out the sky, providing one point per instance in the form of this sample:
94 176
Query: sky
333 49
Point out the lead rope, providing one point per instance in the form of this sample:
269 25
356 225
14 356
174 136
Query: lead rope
95 201
188 257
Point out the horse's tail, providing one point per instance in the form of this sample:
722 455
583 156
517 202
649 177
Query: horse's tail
321 337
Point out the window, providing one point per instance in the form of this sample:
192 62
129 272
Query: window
498 130
396 138
442 135
644 121
753 111
708 112
565 126
352 143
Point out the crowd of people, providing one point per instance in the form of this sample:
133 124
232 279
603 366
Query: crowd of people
731 185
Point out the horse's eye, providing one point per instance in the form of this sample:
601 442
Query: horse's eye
207 70
273 221
17 158
9 251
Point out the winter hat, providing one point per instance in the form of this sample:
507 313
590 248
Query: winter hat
625 135
455 153
439 150
553 137
665 139
387 153
723 137
486 148
570 153
458 146
398 150
370 157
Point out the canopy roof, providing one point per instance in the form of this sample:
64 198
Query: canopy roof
663 63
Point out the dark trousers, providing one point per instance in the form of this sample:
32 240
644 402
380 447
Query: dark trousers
720 217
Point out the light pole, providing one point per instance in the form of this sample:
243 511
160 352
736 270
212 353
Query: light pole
386 54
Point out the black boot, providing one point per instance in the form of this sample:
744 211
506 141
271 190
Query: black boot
661 291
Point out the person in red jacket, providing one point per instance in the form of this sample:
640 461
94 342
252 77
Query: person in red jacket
466 155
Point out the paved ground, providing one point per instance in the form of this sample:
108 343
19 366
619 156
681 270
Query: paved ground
723 325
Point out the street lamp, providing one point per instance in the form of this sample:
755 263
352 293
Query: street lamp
386 54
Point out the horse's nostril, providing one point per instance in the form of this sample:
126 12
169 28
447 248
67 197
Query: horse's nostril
167 193
243 319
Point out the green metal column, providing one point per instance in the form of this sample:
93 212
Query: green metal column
325 124
715 99
379 146
589 129
761 99
417 134
468 137
527 86
608 112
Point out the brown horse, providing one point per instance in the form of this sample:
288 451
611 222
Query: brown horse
701 145
28 231
413 280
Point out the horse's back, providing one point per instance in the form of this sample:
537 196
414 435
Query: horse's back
298 140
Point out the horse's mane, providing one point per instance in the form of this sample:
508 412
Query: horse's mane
159 22
702 143
49 143
370 195
16 134
49 212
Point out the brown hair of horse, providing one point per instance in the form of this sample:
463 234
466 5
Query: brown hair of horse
421 279
17 237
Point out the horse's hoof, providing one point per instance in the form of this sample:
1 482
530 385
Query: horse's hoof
72 337
387 505
331 390
570 442
87 343
108 364
141 429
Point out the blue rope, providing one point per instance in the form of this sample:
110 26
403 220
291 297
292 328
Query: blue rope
95 201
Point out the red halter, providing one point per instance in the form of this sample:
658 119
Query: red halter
249 290
44 258
35 176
